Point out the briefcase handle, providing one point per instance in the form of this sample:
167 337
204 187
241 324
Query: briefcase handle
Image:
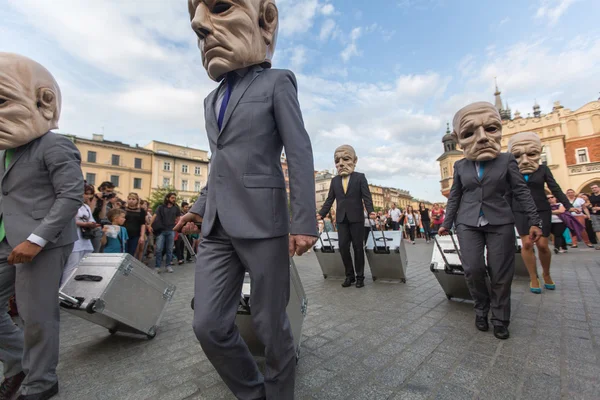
89 278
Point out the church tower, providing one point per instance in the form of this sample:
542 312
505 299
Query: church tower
505 112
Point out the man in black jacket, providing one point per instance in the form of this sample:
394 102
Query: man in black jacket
350 189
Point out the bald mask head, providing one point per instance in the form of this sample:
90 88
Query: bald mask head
29 101
478 131
345 160
527 149
234 34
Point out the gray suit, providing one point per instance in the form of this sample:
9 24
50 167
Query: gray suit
469 196
245 227
41 191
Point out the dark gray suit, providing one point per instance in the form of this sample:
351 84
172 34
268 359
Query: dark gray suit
246 225
469 196
42 189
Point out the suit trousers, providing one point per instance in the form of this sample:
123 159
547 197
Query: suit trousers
352 232
220 268
500 243
33 350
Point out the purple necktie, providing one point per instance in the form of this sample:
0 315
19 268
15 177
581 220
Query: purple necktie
225 101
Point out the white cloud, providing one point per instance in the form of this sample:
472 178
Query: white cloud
298 58
552 10
296 16
327 9
351 49
327 29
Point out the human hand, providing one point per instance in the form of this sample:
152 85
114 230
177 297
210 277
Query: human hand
24 253
142 240
442 231
535 233
319 217
188 221
372 215
575 210
300 244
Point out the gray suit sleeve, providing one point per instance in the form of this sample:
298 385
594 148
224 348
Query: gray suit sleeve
521 192
298 150
200 204
454 199
64 169
556 190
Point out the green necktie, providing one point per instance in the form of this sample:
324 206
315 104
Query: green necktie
7 157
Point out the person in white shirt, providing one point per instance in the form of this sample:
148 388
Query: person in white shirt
411 222
395 215
85 223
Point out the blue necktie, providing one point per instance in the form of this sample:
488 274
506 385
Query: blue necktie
229 79
526 177
480 173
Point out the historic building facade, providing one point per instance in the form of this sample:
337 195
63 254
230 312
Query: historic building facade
183 168
570 140
129 168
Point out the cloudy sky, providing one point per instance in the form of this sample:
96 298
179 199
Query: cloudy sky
382 75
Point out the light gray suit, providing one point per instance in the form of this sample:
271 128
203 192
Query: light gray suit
469 196
41 191
246 225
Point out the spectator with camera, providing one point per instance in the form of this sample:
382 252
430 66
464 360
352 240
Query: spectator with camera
104 202
86 225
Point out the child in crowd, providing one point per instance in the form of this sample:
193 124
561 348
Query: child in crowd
115 236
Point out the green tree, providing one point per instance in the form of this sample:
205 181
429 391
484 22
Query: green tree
157 197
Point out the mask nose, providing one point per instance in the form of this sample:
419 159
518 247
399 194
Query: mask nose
201 22
481 136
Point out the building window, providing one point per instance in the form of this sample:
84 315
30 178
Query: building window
322 197
116 160
167 166
114 179
184 169
184 185
197 186
91 156
445 172
582 155
137 163
166 182
197 171
137 183
90 179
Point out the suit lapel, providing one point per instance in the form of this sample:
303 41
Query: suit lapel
19 151
237 94
351 179
211 118
488 166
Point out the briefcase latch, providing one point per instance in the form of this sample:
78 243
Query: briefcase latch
168 293
126 269
304 306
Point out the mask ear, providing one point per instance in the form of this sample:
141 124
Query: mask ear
47 105
268 22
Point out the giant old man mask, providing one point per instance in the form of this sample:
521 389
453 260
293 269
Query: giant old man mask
234 34
345 160
527 149
478 131
29 101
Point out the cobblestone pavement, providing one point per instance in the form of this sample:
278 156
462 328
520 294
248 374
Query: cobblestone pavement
385 341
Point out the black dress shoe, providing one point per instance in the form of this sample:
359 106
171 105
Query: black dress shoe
501 332
10 386
348 282
360 283
53 391
482 323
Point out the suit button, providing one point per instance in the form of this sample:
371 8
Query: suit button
5 193
220 146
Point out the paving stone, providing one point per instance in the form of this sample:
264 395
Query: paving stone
386 341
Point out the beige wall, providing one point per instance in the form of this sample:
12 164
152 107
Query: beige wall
104 170
178 164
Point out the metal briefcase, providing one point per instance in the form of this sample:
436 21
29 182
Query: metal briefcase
386 254
118 292
296 311
447 267
327 250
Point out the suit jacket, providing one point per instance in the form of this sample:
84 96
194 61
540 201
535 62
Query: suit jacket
536 182
41 191
246 186
469 195
349 204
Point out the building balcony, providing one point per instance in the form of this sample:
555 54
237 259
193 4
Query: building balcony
588 168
